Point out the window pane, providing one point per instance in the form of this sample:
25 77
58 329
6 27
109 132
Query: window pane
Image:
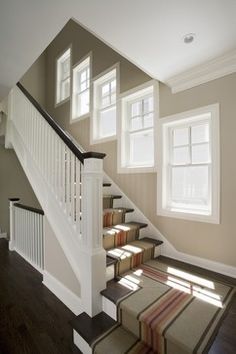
136 109
65 89
107 122
113 98
200 133
181 155
141 149
83 76
113 86
136 123
83 103
200 153
148 120
105 89
190 187
148 105
105 101
83 86
65 68
180 136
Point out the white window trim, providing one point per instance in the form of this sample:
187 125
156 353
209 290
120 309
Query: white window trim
86 115
122 116
163 124
94 141
57 104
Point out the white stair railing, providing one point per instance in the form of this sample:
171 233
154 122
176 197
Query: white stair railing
68 185
27 233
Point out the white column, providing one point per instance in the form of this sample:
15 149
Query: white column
12 201
94 255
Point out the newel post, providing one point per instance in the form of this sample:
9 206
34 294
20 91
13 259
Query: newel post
12 201
94 272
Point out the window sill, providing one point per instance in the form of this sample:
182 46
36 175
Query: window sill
57 104
77 119
131 169
212 219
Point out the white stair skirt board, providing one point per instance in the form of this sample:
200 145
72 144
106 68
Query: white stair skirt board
166 249
109 308
72 301
81 343
3 235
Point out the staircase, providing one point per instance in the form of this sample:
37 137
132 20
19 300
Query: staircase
126 249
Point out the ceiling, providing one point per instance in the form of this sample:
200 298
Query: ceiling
149 33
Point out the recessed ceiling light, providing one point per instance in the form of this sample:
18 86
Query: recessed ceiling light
189 38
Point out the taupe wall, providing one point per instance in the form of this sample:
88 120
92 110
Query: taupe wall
56 263
214 242
34 79
13 183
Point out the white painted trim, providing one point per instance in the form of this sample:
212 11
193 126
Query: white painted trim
96 140
86 115
81 343
175 119
121 131
208 71
72 301
59 103
3 235
217 267
13 248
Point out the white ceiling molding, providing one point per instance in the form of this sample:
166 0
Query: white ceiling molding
211 70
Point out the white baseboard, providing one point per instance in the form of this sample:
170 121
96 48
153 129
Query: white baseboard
203 263
3 235
81 343
72 301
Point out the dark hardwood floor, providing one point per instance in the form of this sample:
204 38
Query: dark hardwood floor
32 319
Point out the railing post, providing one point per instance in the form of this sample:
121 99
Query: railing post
94 255
12 201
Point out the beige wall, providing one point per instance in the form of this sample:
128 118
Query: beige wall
214 242
13 183
56 263
34 79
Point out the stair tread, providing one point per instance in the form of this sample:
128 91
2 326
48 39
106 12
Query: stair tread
107 230
112 196
118 210
116 290
91 328
152 240
127 249
106 184
110 260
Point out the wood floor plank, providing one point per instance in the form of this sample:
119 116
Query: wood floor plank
32 319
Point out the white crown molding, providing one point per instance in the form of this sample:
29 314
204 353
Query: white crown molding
210 70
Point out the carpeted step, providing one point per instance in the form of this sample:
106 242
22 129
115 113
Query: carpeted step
120 234
131 255
108 200
114 216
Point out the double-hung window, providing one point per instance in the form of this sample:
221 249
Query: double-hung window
138 111
81 89
104 107
63 76
189 176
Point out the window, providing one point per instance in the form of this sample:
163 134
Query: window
63 77
81 89
104 110
188 179
136 146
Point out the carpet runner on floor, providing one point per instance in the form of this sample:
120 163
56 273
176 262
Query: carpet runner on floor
172 312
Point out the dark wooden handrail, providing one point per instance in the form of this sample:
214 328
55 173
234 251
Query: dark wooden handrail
26 207
67 140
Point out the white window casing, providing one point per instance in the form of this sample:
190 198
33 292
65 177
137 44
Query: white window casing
188 175
104 117
138 112
81 89
63 77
